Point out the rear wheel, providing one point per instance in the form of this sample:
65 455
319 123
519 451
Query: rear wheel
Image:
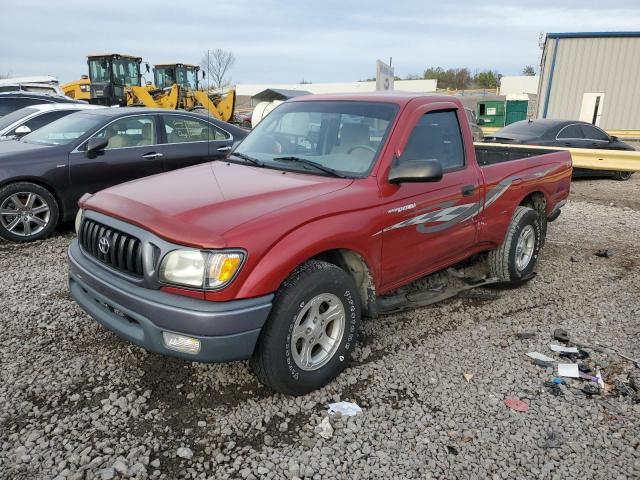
311 331
28 212
622 176
517 256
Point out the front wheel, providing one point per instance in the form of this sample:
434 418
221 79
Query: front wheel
28 212
515 259
311 331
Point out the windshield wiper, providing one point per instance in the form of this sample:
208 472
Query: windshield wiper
311 163
249 159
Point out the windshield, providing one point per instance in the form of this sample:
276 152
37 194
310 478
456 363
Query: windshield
99 71
164 77
345 136
65 130
187 78
13 117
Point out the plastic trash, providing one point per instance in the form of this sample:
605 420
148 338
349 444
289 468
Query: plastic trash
467 376
516 404
346 409
568 370
560 348
540 359
324 428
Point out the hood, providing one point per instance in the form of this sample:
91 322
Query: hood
197 205
9 148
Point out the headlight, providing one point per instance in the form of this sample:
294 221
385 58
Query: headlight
200 269
78 220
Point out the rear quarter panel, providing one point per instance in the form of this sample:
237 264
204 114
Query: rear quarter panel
508 184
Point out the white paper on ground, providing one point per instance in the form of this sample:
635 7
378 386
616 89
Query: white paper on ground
540 356
347 409
568 370
560 348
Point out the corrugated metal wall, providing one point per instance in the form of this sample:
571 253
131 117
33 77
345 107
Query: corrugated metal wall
589 65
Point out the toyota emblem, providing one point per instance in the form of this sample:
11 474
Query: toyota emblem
104 245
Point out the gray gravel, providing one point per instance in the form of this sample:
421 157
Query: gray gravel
78 403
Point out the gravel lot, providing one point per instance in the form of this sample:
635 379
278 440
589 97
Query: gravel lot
78 403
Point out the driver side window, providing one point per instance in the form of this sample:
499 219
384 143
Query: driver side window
130 132
436 136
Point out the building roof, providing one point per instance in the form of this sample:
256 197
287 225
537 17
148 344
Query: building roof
271 94
592 34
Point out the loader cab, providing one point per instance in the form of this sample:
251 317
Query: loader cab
166 75
110 75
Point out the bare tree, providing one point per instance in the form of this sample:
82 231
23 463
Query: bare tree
217 63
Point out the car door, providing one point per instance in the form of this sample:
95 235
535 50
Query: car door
430 223
134 151
572 136
191 140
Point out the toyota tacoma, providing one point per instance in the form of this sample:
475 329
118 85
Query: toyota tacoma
331 203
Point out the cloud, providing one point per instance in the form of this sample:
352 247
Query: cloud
280 41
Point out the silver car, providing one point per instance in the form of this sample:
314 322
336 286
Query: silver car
28 119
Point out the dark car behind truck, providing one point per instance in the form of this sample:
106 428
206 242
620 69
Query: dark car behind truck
330 203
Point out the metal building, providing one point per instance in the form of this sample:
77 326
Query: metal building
591 77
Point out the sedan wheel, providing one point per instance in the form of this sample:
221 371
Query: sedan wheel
28 212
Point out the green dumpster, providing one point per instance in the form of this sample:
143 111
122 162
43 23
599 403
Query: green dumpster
516 111
491 113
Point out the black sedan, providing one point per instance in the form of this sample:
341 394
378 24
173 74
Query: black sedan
562 133
43 174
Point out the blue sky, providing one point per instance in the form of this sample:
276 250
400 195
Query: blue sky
287 41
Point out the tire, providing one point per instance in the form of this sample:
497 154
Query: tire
622 176
507 263
314 288
30 223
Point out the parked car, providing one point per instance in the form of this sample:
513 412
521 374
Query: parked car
41 83
563 133
478 135
29 119
43 174
12 101
276 253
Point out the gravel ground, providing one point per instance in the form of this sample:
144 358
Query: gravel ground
78 403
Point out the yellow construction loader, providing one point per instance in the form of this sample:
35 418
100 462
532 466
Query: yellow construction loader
116 79
78 89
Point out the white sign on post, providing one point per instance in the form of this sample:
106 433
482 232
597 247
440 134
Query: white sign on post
384 76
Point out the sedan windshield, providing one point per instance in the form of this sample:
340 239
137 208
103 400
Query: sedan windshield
13 117
65 130
343 137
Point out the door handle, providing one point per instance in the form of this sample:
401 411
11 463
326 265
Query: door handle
152 155
226 148
468 190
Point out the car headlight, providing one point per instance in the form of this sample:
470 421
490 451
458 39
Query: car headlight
200 269
78 220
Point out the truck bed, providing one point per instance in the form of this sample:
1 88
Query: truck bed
490 155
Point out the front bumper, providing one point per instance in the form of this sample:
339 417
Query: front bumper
227 331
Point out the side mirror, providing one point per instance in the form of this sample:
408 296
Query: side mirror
614 138
96 145
21 131
416 171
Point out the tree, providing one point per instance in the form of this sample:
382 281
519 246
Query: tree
455 78
487 79
529 71
216 64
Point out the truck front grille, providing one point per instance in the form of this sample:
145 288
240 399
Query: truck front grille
117 249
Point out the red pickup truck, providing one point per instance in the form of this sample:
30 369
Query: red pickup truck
330 203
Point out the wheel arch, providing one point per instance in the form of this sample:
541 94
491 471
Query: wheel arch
536 200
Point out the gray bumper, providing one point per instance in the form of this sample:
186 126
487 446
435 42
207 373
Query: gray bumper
227 331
